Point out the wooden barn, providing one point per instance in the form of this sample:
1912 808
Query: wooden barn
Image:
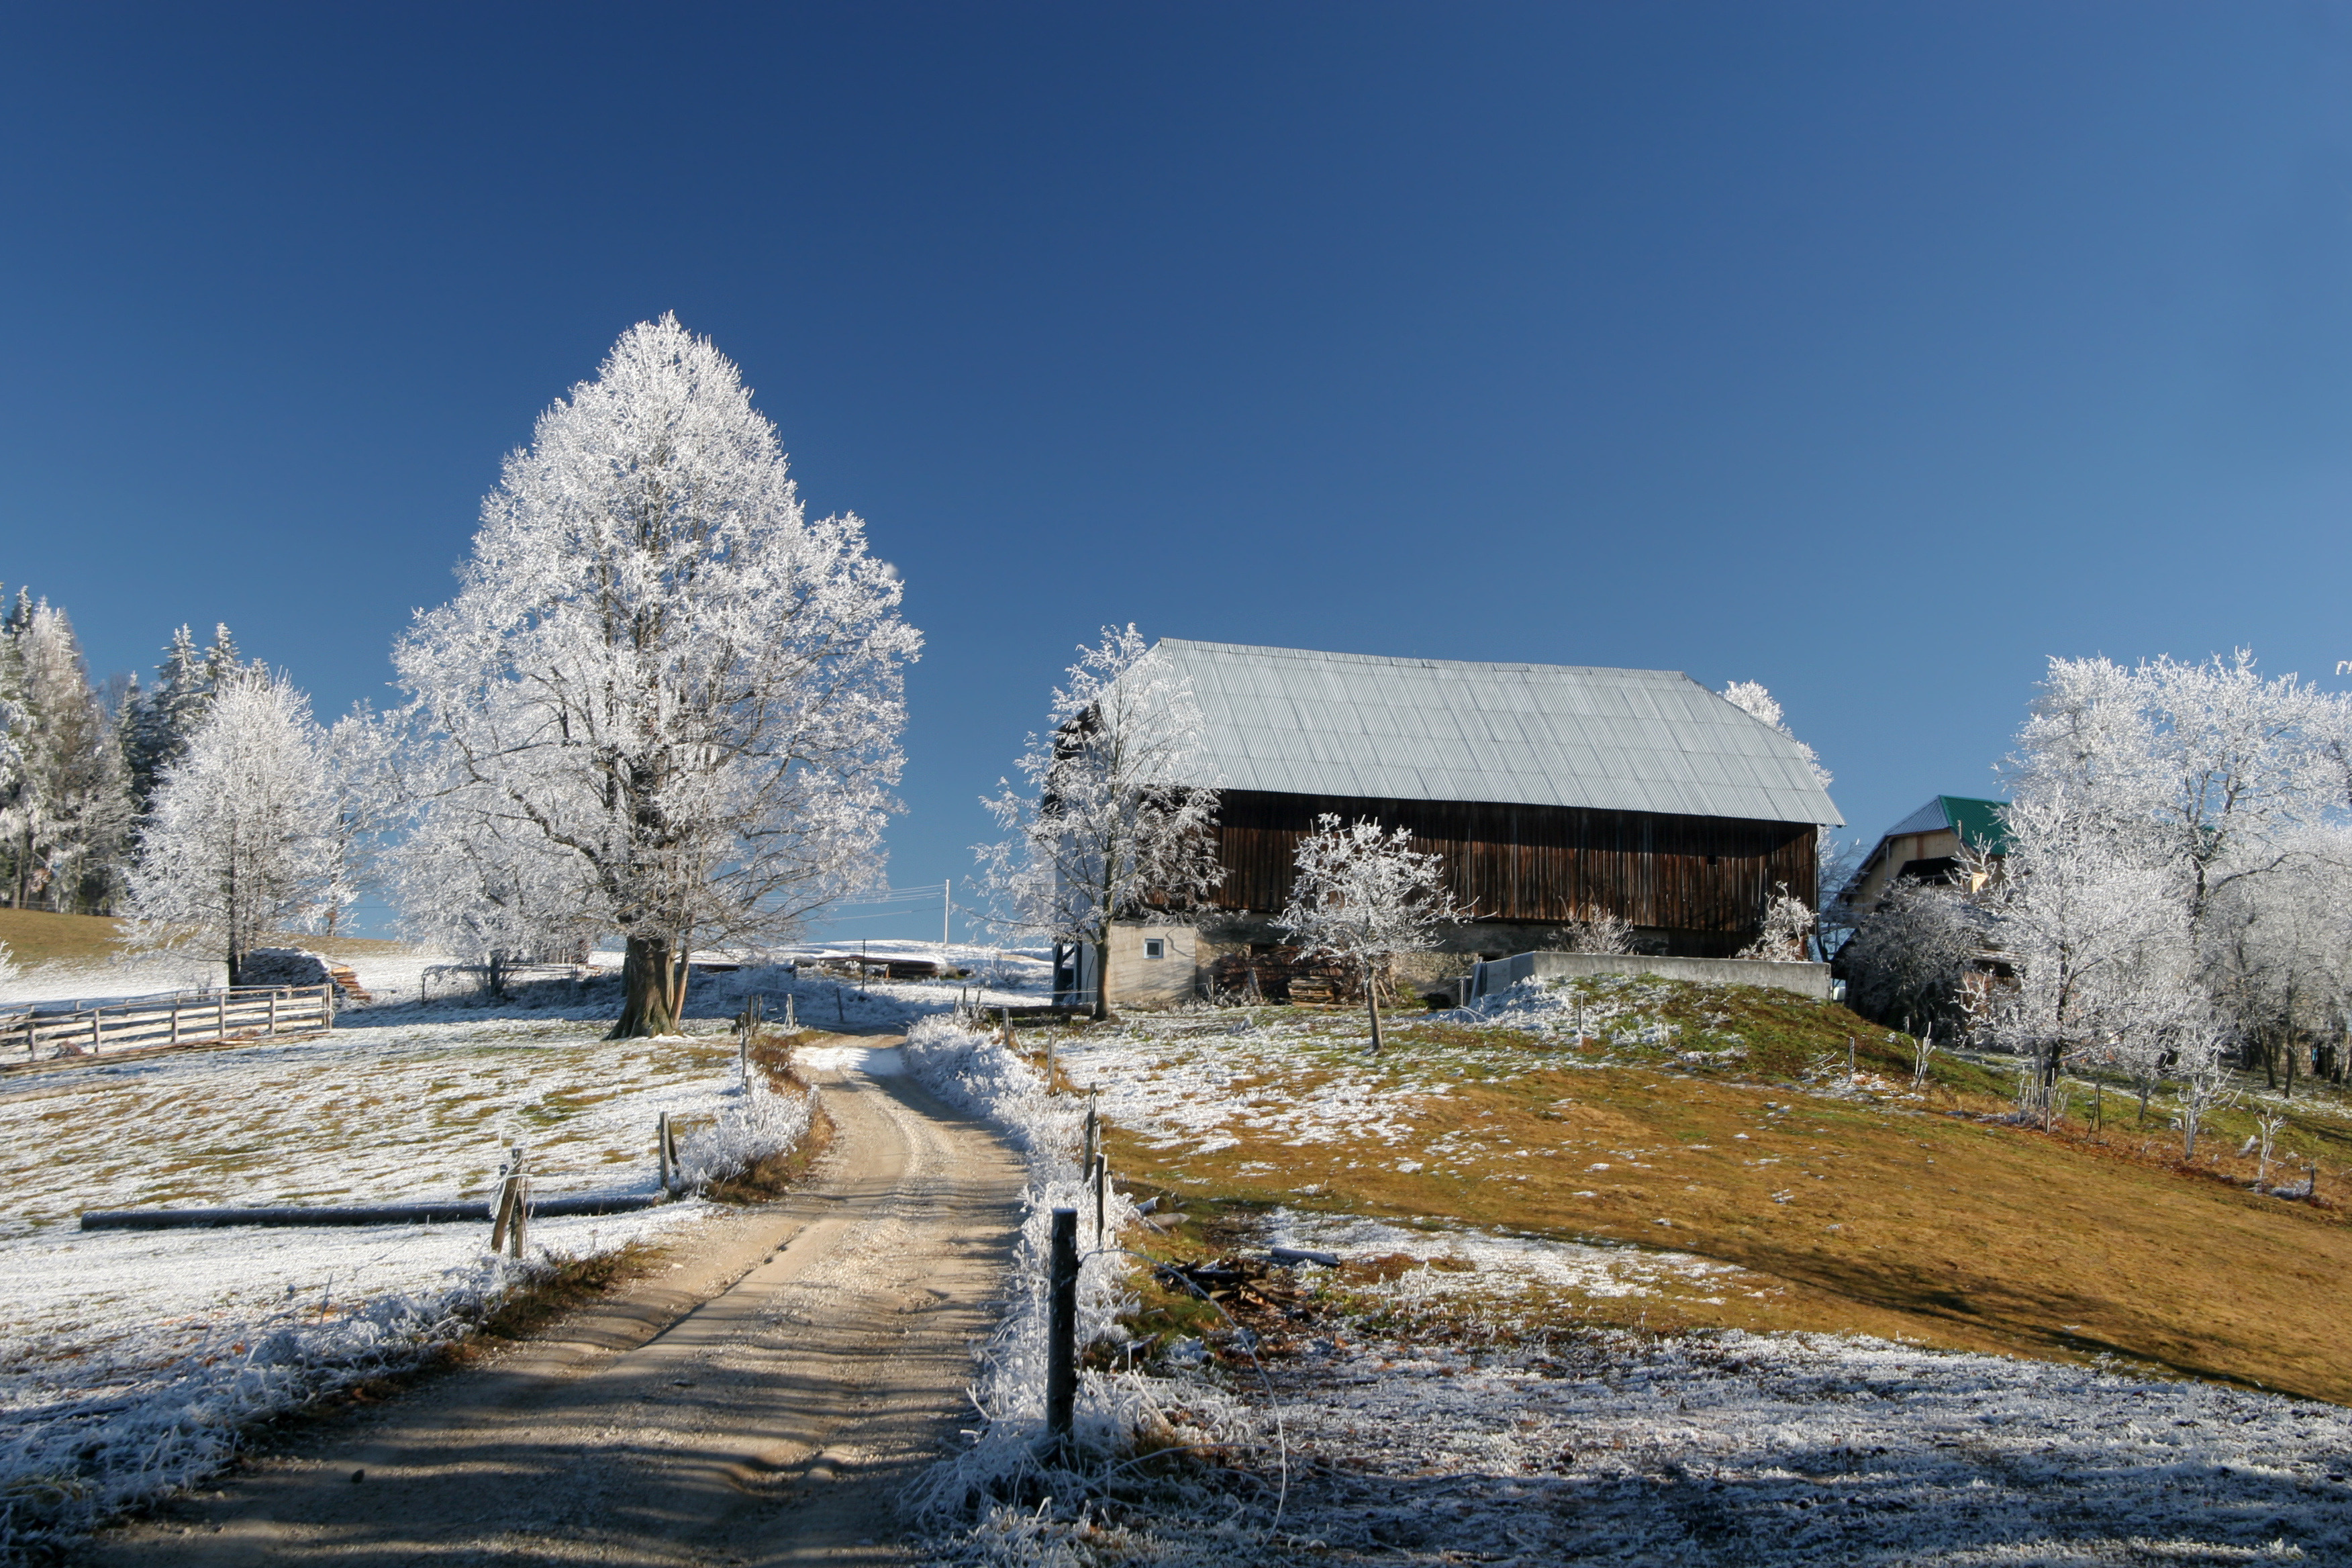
1554 791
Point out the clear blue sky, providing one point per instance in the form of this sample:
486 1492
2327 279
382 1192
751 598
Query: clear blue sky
1873 351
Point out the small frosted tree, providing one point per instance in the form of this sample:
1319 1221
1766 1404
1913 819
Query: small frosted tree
1362 896
658 665
1117 827
1910 960
241 843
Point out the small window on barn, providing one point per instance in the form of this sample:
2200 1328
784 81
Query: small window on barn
1155 947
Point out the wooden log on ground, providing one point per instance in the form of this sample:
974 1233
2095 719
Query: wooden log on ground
477 1212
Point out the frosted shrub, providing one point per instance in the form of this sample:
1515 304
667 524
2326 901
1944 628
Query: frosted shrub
760 1125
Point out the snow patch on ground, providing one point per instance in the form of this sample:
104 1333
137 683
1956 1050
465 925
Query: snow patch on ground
115 1345
1738 1448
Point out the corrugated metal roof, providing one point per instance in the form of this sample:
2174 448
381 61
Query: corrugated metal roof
1300 722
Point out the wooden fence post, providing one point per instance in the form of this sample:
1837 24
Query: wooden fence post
175 1021
220 1024
1102 1194
273 1014
1062 1330
326 1004
97 1038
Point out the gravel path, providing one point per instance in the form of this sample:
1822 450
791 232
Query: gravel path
762 1403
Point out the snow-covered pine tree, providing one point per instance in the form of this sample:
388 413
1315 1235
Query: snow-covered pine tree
158 723
65 823
1363 896
241 843
1119 826
658 664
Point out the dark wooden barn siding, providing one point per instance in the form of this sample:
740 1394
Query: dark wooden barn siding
1539 863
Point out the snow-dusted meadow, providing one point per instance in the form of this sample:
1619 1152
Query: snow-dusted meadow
128 1359
1468 1412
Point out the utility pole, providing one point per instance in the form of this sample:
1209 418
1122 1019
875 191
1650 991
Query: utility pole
947 891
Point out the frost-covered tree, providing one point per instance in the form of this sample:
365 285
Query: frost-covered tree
1750 697
65 819
658 666
1604 934
1908 963
1362 896
1118 825
156 723
241 843
467 886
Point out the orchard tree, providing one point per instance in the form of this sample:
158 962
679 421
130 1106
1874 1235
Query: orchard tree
1118 824
1362 896
659 670
241 843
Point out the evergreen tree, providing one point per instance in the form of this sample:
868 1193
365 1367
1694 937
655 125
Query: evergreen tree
65 824
158 724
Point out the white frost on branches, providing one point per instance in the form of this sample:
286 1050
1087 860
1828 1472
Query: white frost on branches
660 670
1363 895
2177 867
1119 826
1750 697
243 838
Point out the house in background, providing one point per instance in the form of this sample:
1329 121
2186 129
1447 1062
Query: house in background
1927 844
1554 793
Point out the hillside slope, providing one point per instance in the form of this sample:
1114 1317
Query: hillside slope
1725 1122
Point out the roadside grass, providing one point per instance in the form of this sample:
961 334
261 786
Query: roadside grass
1846 1201
38 936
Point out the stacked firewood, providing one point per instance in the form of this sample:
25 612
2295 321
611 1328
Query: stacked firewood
1282 974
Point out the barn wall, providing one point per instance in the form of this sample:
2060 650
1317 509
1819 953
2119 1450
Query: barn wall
1539 863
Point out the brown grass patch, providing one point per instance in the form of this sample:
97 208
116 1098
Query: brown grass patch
37 936
1846 1216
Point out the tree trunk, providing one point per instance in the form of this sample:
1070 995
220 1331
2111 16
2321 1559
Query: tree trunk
1102 977
653 977
1372 1002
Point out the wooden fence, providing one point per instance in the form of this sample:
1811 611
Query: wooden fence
178 1018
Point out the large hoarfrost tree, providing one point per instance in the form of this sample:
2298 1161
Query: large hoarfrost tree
241 842
658 667
1362 896
1119 824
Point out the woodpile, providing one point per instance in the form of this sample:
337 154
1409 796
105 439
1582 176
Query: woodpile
1280 974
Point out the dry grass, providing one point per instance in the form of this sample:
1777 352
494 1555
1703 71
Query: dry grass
36 936
1927 1221
771 1053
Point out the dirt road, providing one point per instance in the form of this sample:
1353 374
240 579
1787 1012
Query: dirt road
773 1422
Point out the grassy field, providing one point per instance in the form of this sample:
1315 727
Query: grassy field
36 936
1725 1122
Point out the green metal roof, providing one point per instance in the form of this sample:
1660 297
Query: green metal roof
1978 822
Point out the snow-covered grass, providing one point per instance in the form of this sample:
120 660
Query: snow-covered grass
1615 1446
129 1358
1569 1220
973 1501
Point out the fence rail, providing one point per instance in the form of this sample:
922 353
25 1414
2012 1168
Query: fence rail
144 1023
